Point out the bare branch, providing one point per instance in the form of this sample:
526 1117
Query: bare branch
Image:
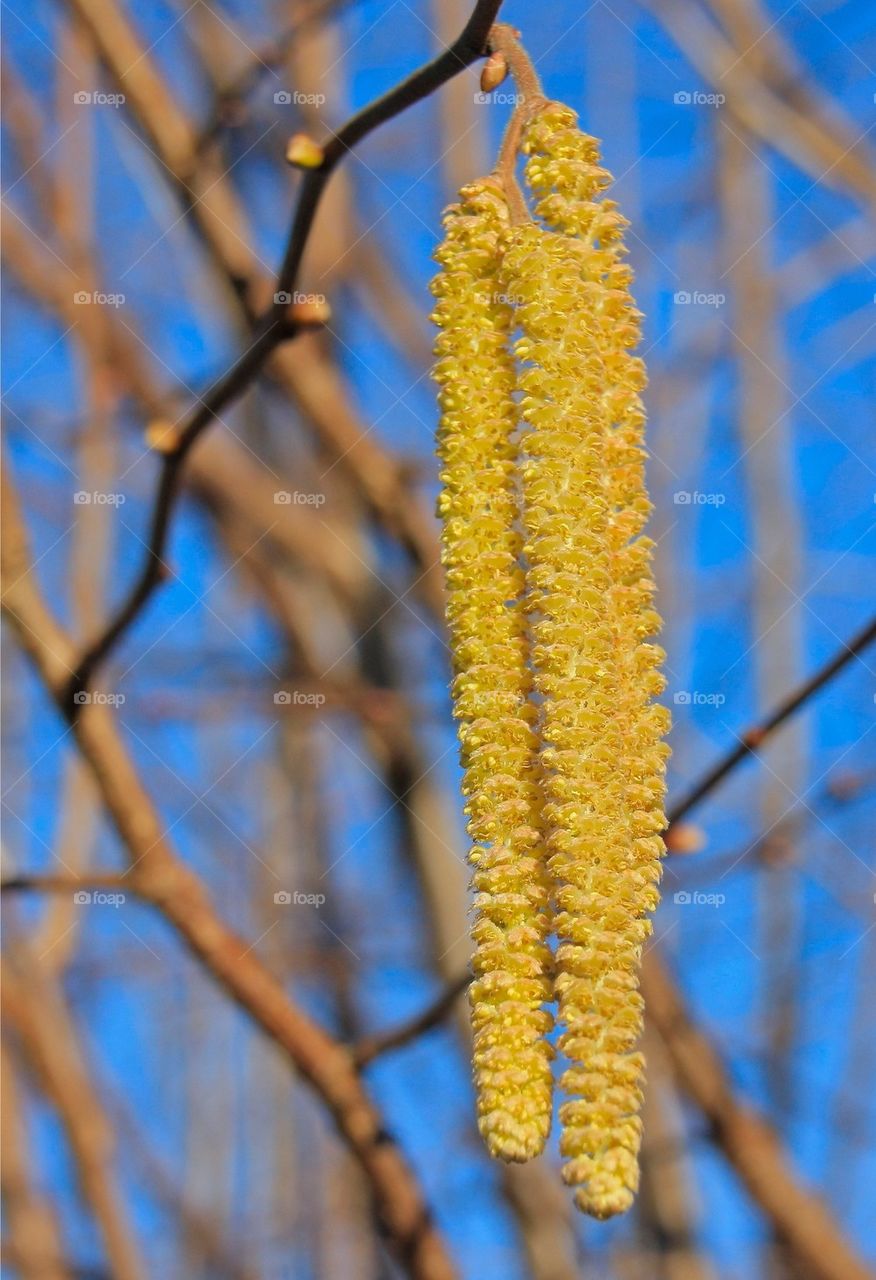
752 739
48 1039
373 1046
114 38
160 875
798 1216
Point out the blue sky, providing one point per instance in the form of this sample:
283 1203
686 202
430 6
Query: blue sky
765 522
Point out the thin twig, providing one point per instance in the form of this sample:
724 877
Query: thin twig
503 39
273 328
67 884
751 741
226 110
372 1047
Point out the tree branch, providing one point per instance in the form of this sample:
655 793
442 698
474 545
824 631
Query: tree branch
752 739
372 1047
799 1216
159 874
49 1041
273 327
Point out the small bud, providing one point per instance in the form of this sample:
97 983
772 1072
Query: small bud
685 837
310 313
303 152
162 435
844 786
494 71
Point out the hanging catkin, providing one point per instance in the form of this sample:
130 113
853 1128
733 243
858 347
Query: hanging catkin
584 507
481 544
543 521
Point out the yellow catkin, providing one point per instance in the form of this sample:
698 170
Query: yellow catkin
481 544
590 589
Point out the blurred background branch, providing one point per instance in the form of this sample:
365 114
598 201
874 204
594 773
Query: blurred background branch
264 766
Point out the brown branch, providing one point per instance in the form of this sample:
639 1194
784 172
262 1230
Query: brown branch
301 369
66 884
273 328
798 1215
668 1208
503 39
752 739
221 471
746 1139
33 1237
372 1047
48 1039
227 110
158 873
826 156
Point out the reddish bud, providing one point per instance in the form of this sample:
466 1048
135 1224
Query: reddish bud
494 71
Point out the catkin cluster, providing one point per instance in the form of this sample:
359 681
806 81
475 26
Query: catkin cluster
492 688
550 604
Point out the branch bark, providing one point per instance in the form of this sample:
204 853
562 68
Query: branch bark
752 739
159 875
214 203
48 1041
799 1217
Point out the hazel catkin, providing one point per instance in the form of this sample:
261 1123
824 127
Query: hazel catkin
481 554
